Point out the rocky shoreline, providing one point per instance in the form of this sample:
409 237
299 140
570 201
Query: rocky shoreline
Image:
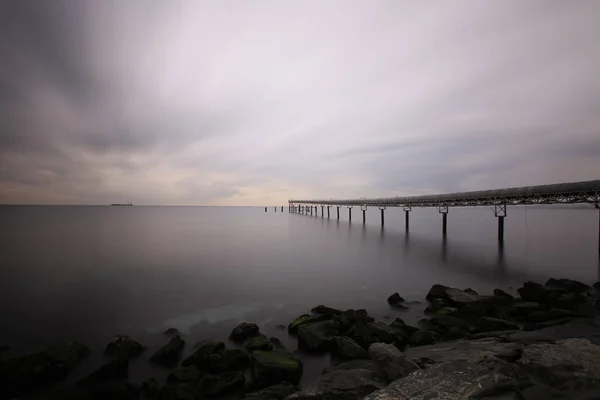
543 344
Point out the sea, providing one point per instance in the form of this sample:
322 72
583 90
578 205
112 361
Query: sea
88 273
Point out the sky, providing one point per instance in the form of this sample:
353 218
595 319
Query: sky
223 102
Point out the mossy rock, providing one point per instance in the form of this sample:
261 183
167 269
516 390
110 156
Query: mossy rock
272 367
452 311
260 342
184 375
123 346
228 360
200 358
306 319
217 385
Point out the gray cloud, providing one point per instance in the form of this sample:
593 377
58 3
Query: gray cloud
189 102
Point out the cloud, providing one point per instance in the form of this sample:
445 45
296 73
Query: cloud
210 103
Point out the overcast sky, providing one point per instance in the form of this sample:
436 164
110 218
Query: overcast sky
252 102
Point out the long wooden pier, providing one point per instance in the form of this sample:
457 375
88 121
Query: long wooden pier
497 199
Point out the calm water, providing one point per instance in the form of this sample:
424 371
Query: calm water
88 273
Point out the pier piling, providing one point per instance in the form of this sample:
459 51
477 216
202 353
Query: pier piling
338 212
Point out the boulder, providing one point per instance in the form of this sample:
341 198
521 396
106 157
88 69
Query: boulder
275 392
358 364
244 331
321 309
567 285
548 315
466 351
421 338
151 389
361 334
183 391
123 346
532 291
395 300
471 291
454 297
522 310
317 337
488 324
502 293
451 380
401 330
351 384
184 375
391 360
382 332
437 291
451 311
495 334
260 342
573 329
349 317
446 326
169 354
171 332
227 360
545 324
276 343
115 370
271 367
218 385
306 319
436 304
346 348
200 358
33 371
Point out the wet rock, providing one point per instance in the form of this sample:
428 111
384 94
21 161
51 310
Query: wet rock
437 291
532 291
306 319
349 317
317 337
395 299
183 391
494 334
391 360
123 346
33 371
361 334
169 354
151 389
401 330
244 331
276 343
446 326
551 314
358 364
454 297
260 342
382 332
270 368
200 358
522 310
346 348
184 375
554 364
217 385
228 360
352 384
113 371
471 291
502 293
171 332
451 311
321 309
488 324
436 305
275 392
544 324
567 285
466 351
452 380
421 338
572 329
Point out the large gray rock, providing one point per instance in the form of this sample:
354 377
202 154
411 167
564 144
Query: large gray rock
391 360
533 292
275 392
567 285
244 331
351 384
200 357
306 319
455 380
358 364
345 348
466 350
317 337
573 329
169 354
271 367
217 385
489 324
382 332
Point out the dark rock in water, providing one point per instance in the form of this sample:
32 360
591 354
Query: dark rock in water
123 346
270 368
502 293
452 380
228 360
421 338
244 331
382 332
436 304
275 392
567 285
280 326
183 391
349 317
544 324
446 326
437 291
466 350
361 334
169 354
151 389
200 358
352 384
532 291
260 342
488 324
495 334
276 343
33 371
306 319
454 297
184 375
391 360
597 285
551 314
573 329
321 309
358 364
317 337
115 370
171 332
395 299
217 385
471 291
401 330
451 311
345 348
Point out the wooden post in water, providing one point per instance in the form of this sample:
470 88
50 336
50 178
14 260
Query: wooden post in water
501 229
406 223
328 207
444 223
382 217
322 212
349 213
338 212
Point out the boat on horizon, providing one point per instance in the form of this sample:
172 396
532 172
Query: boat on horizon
128 204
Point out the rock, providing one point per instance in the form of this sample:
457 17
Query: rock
572 329
276 343
169 354
151 389
115 370
275 392
451 311
502 293
532 291
466 351
391 361
326 310
437 291
171 332
494 334
260 342
446 326
352 384
421 338
306 319
33 371
488 324
349 317
382 332
123 346
522 310
317 337
117 390
452 380
551 314
217 385
471 291
436 304
183 391
280 326
455 297
361 334
346 348
200 358
401 330
184 375
567 285
270 368
554 364
544 324
227 360
395 299
358 364
244 331
597 285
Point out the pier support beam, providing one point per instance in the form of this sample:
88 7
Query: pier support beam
364 212
311 210
349 213
322 212
281 208
444 211
338 212
500 213
275 209
265 209
406 220
328 207
382 216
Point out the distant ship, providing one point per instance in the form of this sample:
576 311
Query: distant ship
128 204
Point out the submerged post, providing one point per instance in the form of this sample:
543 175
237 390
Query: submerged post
328 207
311 209
265 209
350 213
322 212
500 213
338 212
382 217
364 212
281 208
275 209
406 211
444 211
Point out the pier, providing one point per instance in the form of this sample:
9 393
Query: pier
498 200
